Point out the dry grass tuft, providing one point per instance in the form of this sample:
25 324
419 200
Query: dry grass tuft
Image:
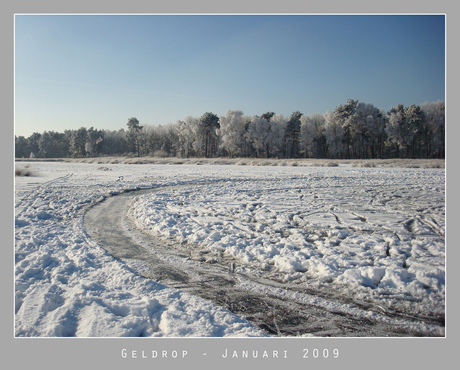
23 172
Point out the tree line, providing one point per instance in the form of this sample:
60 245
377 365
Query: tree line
354 130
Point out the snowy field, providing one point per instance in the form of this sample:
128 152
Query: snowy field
372 234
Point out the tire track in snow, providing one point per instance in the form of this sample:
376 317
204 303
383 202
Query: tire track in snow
32 196
281 309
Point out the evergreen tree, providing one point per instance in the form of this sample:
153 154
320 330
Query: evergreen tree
94 138
134 135
34 146
209 124
415 130
78 143
268 116
368 130
344 114
352 130
292 135
21 146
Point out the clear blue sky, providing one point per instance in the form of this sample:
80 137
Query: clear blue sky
75 71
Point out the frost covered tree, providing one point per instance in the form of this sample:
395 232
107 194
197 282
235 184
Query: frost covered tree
266 134
168 139
232 133
278 125
259 135
368 131
435 120
151 142
407 130
334 134
306 136
312 138
161 140
352 130
195 128
345 114
359 130
45 146
188 136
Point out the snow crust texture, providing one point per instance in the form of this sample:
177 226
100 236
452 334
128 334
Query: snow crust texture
377 232
369 233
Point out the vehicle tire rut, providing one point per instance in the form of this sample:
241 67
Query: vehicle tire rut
174 266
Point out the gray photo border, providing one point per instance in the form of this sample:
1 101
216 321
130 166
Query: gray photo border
205 353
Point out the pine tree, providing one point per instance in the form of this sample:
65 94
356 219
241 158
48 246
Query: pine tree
78 143
292 135
134 135
209 123
345 114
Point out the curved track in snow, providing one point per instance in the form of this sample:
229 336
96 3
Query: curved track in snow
281 309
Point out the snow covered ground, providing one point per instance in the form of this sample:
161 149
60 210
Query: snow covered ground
374 234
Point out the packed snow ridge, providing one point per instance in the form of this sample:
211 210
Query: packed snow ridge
369 233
